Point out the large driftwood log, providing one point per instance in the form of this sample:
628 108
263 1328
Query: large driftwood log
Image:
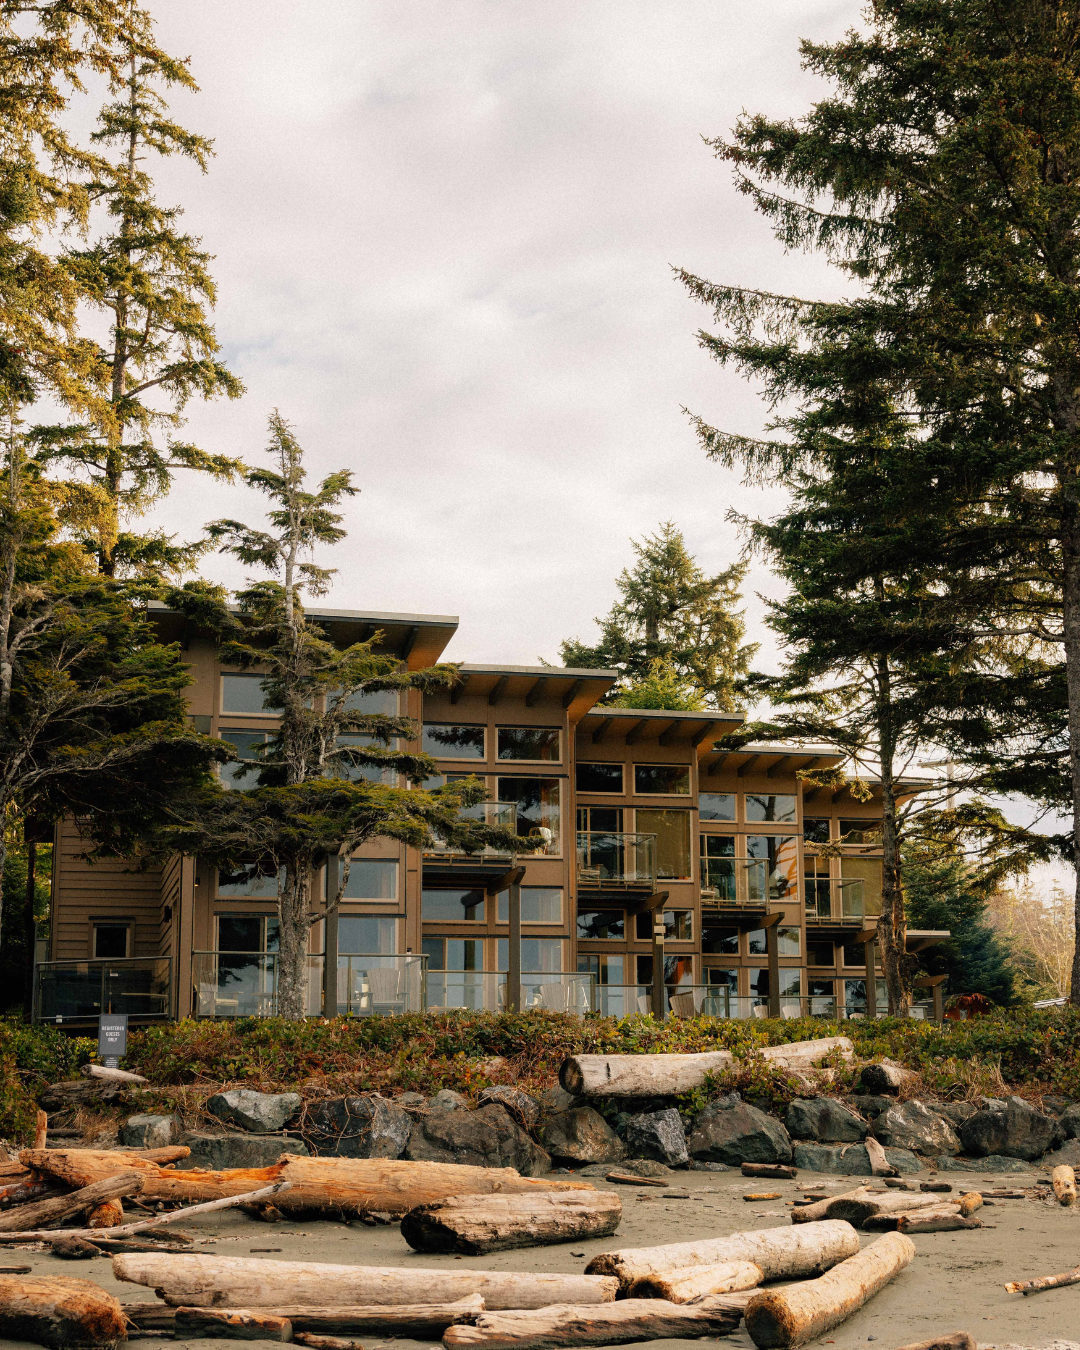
475 1224
348 1187
59 1311
666 1075
632 1319
955 1340
82 1166
1037 1286
780 1253
944 1220
243 1282
799 1313
46 1213
695 1282
776 1171
109 1214
111 1075
879 1163
237 1324
1063 1180
418 1321
862 1203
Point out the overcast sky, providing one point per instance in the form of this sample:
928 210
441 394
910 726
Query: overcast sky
444 233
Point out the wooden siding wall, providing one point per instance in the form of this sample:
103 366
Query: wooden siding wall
99 890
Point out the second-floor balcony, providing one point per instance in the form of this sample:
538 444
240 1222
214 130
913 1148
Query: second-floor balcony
740 883
502 815
613 861
835 899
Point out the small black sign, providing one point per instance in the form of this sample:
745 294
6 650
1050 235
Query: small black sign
112 1036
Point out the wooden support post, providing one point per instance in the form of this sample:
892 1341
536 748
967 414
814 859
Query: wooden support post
772 953
513 964
871 980
330 940
659 991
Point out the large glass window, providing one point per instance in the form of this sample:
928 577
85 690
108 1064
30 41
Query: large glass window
601 925
780 809
820 953
244 694
537 802
539 904
855 997
815 829
718 867
539 956
367 934
452 906
672 830
373 702
369 879
599 777
528 743
662 779
867 832
860 887
373 773
236 886
716 805
249 747
454 953
678 925
717 940
449 740
607 969
780 853
788 941
255 933
790 983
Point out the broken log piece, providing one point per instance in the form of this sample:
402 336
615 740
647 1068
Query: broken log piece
774 1171
82 1166
237 1324
781 1253
317 1342
41 1128
109 1214
1063 1180
939 1186
44 1213
74 1249
242 1282
969 1202
667 1075
632 1179
1043 1282
800 1312
417 1321
691 1283
56 1310
632 1319
944 1220
879 1163
898 1184
955 1340
1002 1194
18 1192
15 1270
762 1195
111 1075
861 1204
475 1224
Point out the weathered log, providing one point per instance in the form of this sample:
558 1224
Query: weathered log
969 1202
1005 1194
955 1340
45 1213
81 1166
59 1311
943 1220
19 1192
780 1253
74 1249
238 1324
754 1196
418 1321
111 1075
345 1187
695 1282
632 1179
800 1312
774 1171
666 1075
242 1282
1042 1282
861 1204
318 1342
15 1270
940 1186
41 1128
1063 1180
109 1214
632 1319
879 1163
475 1224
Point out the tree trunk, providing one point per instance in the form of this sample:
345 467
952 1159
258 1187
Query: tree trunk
29 926
668 1075
892 926
944 1219
632 1319
780 1253
58 1311
694 1282
1070 603
293 936
475 1224
44 1213
250 1282
801 1312
238 1324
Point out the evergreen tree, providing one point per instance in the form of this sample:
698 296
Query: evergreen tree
674 635
328 780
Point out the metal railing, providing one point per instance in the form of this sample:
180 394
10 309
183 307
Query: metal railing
834 899
728 882
370 983
608 859
245 984
140 986
501 814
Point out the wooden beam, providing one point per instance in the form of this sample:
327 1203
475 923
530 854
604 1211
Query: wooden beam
774 769
572 693
650 904
497 689
502 883
534 693
698 736
634 734
745 768
410 642
459 688
665 736
602 730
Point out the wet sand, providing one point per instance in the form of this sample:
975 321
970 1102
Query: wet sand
954 1283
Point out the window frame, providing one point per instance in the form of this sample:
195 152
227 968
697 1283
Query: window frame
600 764
245 675
500 758
445 753
128 925
676 768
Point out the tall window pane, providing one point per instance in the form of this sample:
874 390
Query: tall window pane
244 694
537 802
778 808
780 855
672 830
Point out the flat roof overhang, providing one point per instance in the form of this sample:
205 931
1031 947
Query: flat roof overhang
630 726
918 939
571 690
772 759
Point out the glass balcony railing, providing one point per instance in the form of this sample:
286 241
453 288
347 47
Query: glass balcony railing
245 984
485 991
728 883
82 990
610 860
504 815
369 984
622 1000
834 899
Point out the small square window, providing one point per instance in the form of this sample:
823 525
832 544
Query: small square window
716 805
860 832
111 940
815 829
599 777
779 808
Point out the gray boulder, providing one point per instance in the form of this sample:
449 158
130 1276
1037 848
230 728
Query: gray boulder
217 1151
487 1137
636 1167
1019 1131
524 1108
731 1131
955 1112
871 1104
824 1119
446 1099
849 1160
149 1131
259 1112
658 1135
410 1101
913 1125
1068 1153
358 1127
581 1135
1070 1121
556 1099
993 1162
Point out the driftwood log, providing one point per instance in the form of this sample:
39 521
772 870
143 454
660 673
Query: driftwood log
667 1075
237 1324
58 1311
944 1220
1063 1180
774 1171
109 1214
243 1282
475 1224
879 1163
1038 1285
632 1319
417 1321
780 1253
799 1313
955 1340
346 1187
45 1213
696 1282
18 1192
111 1075
41 1128
82 1166
861 1204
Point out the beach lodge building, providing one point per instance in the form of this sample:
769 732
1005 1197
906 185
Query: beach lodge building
675 876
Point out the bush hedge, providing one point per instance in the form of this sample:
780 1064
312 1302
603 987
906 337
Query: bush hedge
1031 1051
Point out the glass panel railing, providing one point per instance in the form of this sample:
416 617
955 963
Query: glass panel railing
622 1000
734 882
473 990
559 991
79 990
245 984
710 1000
369 984
501 814
614 859
834 899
